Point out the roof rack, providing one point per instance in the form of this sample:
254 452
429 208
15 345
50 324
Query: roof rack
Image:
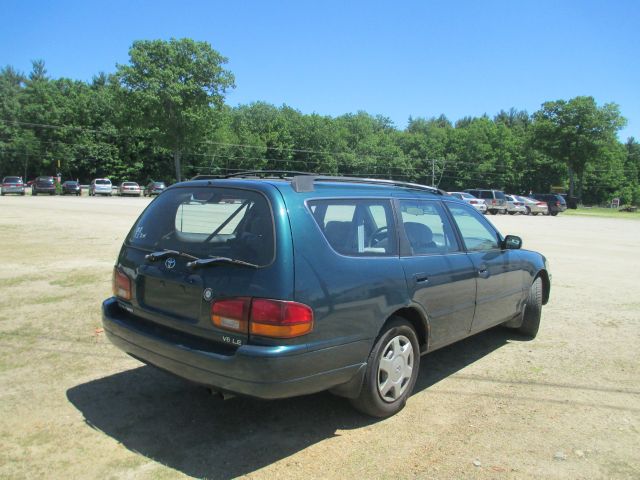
305 181
254 174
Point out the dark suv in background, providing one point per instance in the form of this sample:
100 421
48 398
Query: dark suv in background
276 286
495 199
43 185
555 202
154 188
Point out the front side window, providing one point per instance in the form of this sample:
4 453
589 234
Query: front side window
476 232
427 228
208 222
356 227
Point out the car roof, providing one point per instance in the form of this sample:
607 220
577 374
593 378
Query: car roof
325 186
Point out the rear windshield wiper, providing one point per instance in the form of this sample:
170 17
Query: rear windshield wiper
152 257
204 262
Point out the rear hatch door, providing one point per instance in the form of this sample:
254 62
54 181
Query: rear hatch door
200 244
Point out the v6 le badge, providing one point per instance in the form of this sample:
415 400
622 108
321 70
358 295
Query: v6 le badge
207 294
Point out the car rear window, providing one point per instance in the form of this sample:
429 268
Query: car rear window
158 184
12 180
129 184
102 181
208 222
45 179
356 227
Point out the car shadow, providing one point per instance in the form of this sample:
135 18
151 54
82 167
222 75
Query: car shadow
183 426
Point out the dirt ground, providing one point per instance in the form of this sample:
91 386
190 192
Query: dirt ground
566 405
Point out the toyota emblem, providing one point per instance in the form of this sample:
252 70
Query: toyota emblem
170 263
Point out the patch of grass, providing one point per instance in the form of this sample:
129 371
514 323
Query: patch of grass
14 281
77 279
45 299
601 212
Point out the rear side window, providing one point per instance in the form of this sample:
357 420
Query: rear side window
499 195
208 222
356 227
485 194
427 228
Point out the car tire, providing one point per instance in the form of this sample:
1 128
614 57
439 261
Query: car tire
528 211
532 310
553 214
398 346
493 212
512 213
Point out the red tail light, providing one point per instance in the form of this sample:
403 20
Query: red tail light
231 314
557 204
473 202
267 318
494 201
280 319
121 285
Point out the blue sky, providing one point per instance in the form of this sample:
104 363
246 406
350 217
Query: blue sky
396 59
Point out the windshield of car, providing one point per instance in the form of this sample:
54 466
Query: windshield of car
70 183
45 179
208 222
12 180
103 181
158 184
467 195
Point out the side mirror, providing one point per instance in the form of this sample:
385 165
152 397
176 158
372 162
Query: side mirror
511 242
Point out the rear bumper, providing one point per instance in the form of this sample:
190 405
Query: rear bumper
12 189
266 372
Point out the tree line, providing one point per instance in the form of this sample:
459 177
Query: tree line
163 116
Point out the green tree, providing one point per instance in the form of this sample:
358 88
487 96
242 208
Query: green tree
576 132
173 87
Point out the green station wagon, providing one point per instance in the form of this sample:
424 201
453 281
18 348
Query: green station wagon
274 284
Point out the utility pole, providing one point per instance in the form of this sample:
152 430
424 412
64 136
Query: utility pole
433 172
26 163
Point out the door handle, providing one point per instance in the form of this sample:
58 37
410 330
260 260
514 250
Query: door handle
419 278
483 271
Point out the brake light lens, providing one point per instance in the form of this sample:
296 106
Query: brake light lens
264 317
231 314
280 319
121 285
473 202
557 204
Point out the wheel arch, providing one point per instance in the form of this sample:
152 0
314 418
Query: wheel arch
420 322
546 285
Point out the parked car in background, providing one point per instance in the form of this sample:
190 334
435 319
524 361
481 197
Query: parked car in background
279 287
154 188
43 184
12 185
515 206
129 188
476 203
554 201
532 206
100 186
71 187
572 202
495 200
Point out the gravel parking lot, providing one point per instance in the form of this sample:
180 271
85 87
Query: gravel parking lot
565 405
